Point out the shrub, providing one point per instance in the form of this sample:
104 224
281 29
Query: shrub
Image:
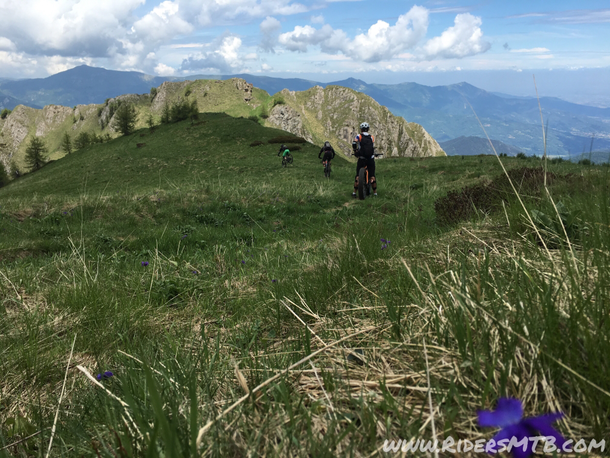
253 118
287 139
585 162
5 113
257 143
521 156
294 148
279 101
461 205
153 92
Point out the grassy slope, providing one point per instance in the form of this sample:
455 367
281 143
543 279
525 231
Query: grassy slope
234 242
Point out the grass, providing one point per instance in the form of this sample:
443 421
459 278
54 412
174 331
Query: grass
273 282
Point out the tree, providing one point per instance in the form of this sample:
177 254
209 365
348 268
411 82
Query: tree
35 154
66 143
125 119
5 113
194 111
165 114
3 175
82 140
150 121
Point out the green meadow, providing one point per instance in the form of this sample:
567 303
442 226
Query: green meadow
245 309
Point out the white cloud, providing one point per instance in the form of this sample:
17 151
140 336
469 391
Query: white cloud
66 27
531 50
317 19
224 12
162 23
382 41
269 28
225 58
6 44
464 39
164 70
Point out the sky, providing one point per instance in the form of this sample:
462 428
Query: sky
325 40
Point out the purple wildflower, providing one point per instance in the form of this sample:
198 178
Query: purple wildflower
384 240
105 375
273 281
243 262
195 272
144 263
184 236
508 416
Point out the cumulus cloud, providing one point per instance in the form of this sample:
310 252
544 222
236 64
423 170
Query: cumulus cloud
162 23
164 70
270 29
6 44
67 27
464 39
225 58
382 41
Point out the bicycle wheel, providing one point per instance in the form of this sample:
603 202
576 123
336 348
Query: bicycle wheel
328 167
283 162
362 179
289 159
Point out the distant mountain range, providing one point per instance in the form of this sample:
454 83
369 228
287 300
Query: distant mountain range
473 146
446 112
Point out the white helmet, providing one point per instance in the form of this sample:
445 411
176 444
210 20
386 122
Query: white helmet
364 126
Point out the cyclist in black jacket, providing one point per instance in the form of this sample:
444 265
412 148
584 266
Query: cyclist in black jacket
328 151
364 148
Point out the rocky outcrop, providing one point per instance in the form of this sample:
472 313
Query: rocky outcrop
287 118
335 114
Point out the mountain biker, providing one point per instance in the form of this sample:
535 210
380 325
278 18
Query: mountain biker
328 151
364 148
284 151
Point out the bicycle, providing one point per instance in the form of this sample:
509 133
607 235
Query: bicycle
364 183
286 160
326 168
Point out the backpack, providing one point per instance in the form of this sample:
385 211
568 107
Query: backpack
366 146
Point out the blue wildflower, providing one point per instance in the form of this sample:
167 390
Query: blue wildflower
105 375
383 247
144 263
508 416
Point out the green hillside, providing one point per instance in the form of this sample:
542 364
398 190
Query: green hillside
307 117
196 270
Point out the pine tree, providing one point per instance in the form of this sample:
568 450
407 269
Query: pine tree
66 143
125 119
3 175
82 140
35 154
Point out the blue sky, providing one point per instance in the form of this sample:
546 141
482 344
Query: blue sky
379 41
